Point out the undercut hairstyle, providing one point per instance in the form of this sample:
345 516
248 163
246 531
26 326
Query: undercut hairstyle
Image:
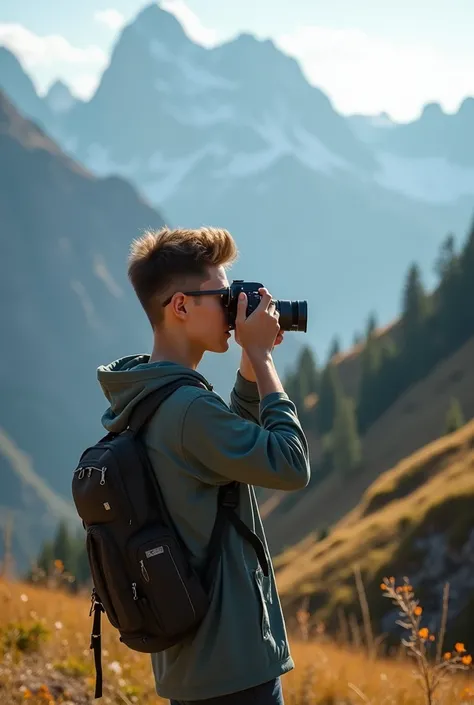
164 261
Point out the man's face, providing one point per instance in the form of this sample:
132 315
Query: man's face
207 325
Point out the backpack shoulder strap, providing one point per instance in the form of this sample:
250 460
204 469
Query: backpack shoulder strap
227 503
145 408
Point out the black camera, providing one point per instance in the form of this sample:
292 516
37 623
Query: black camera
293 314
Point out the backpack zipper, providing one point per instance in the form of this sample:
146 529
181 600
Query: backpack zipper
134 590
118 478
89 468
144 571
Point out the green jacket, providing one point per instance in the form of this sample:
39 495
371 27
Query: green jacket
196 443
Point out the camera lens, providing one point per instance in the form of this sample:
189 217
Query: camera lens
293 315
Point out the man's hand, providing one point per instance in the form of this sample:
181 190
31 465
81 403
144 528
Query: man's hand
278 339
246 368
265 307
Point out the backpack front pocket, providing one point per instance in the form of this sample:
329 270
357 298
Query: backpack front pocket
117 591
173 592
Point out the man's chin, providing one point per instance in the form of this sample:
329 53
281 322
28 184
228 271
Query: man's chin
223 347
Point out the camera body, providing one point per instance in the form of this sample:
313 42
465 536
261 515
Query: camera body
293 314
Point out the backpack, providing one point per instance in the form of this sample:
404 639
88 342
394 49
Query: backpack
141 570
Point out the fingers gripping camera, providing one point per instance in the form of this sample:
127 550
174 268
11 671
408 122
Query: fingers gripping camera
293 314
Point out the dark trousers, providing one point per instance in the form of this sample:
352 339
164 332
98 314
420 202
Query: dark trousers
269 693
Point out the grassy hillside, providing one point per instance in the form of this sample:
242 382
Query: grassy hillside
44 640
416 520
415 419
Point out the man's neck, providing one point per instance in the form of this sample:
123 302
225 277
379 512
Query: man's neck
173 351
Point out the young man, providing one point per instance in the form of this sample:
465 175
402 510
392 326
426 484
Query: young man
197 443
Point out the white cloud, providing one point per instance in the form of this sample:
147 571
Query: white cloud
362 73
51 56
206 36
113 19
48 50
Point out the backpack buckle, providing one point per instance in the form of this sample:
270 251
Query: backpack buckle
229 497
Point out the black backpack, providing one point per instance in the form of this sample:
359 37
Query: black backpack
142 576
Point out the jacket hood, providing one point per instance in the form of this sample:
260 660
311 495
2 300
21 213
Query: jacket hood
129 379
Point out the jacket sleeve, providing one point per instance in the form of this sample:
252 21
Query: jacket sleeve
245 399
221 446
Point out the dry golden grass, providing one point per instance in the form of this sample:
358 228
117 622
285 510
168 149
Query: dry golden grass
64 662
61 671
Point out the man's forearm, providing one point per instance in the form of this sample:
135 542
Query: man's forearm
266 375
246 368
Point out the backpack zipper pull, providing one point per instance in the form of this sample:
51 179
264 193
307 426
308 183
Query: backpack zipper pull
90 472
134 590
81 473
102 479
144 571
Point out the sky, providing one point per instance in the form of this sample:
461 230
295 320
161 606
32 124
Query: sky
368 56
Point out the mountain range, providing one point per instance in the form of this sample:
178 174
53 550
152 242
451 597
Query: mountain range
324 207
327 208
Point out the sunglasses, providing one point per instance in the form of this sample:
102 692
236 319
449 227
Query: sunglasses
223 293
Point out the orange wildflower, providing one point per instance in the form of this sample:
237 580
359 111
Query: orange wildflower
447 655
423 633
460 648
418 611
467 660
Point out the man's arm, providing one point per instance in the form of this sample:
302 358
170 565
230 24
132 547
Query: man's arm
221 446
244 397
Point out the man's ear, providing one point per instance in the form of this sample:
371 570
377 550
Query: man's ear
179 304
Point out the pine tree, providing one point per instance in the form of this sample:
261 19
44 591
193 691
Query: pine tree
454 417
335 348
415 304
465 310
416 310
447 256
388 379
330 392
371 325
291 386
302 383
449 329
347 449
46 557
82 572
308 373
368 398
63 548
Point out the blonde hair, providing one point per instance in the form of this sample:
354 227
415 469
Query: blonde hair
167 259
